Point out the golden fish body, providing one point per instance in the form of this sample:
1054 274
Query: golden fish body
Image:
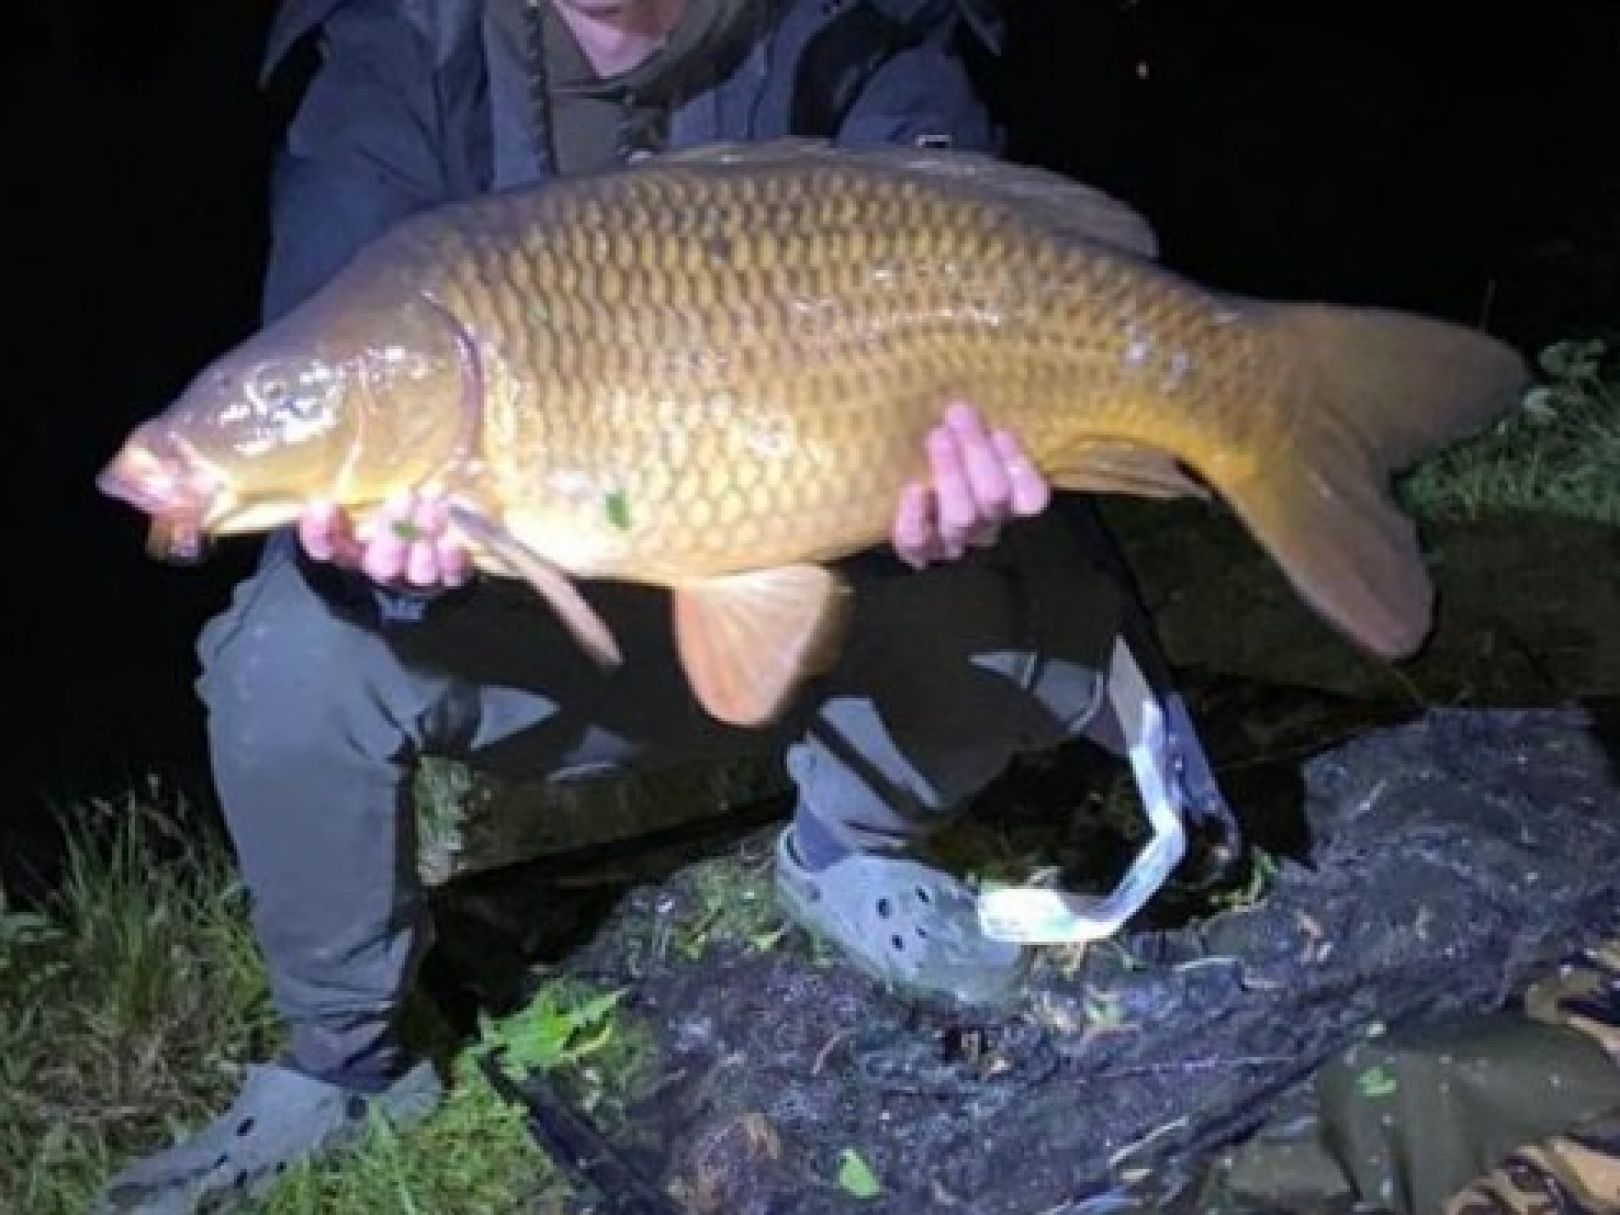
714 372
695 373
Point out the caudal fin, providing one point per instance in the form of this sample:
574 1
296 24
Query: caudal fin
1381 390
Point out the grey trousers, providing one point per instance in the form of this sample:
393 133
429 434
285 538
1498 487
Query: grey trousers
315 716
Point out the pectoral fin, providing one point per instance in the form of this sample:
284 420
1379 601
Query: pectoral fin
550 582
748 641
1107 466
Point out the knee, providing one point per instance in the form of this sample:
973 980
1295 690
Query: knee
280 672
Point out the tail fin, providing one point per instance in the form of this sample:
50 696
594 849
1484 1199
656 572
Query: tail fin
1382 390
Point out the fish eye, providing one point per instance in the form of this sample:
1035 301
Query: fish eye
269 386
276 388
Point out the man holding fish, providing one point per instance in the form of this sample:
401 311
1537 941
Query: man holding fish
315 705
557 448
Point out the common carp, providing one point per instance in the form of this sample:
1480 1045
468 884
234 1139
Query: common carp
713 371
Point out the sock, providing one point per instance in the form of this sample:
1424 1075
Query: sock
812 845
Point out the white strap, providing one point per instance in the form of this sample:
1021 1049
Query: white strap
1042 916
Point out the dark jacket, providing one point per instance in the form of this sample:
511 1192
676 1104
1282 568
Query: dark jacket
419 102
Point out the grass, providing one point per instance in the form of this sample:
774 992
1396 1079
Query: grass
129 1005
124 1006
1559 454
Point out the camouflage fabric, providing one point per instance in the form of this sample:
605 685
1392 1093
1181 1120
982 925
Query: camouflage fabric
1584 995
1576 1172
1514 1114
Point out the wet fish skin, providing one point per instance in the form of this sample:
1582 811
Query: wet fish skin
356 394
714 372
751 381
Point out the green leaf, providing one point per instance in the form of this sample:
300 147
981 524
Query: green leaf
590 1043
855 1176
596 1008
618 509
766 941
1376 1082
547 1034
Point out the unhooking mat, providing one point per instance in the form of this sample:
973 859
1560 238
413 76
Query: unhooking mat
1450 861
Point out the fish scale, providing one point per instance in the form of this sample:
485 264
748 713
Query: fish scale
846 377
714 372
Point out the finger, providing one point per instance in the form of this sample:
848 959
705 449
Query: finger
955 513
451 562
913 531
422 558
455 563
387 548
323 530
987 476
384 560
422 564
1031 492
317 530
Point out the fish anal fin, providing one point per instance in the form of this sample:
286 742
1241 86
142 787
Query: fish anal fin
749 641
1116 466
549 581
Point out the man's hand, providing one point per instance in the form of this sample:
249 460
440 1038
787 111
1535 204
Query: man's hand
980 480
403 547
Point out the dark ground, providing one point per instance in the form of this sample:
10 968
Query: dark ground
1426 868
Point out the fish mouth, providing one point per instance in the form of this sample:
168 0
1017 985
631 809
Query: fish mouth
176 499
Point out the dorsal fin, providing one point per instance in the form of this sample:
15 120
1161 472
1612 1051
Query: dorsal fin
1061 203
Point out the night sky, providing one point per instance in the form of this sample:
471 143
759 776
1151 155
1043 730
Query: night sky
1452 157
